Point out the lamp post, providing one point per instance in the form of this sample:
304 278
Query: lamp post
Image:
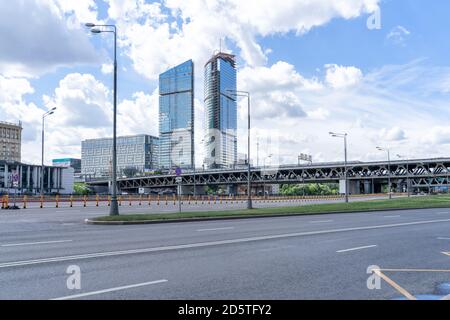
45 115
389 168
114 208
264 170
246 94
343 136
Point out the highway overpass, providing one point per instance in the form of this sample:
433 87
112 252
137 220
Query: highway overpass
364 177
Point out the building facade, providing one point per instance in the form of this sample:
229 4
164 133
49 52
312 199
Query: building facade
220 111
10 141
68 162
28 178
135 154
176 117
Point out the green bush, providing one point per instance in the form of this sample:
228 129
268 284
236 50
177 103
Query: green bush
312 189
81 188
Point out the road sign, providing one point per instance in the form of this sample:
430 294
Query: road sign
178 179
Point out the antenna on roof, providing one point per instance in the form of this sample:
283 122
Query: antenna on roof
220 45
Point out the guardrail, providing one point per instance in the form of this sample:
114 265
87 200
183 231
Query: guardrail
157 200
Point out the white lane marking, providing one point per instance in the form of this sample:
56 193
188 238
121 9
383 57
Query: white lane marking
357 248
321 221
33 243
397 216
215 229
208 244
87 294
442 212
443 238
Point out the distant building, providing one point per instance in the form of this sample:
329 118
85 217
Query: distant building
220 111
10 141
135 154
68 163
176 117
56 179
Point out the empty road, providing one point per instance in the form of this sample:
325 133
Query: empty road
307 257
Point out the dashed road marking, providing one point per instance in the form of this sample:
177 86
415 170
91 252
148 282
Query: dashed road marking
357 248
215 229
33 243
92 293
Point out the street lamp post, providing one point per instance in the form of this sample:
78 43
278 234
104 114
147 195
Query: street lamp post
114 208
249 190
264 175
45 115
389 168
343 136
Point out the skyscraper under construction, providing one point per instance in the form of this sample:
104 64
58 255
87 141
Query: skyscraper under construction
220 111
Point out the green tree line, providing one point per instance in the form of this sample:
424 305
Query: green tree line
312 189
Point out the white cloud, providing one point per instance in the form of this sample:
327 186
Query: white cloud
14 108
341 77
405 100
12 89
192 29
81 101
42 42
107 68
393 134
139 115
275 90
77 11
438 135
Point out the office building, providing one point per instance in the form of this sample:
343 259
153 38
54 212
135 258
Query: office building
56 179
68 163
10 141
220 111
135 154
176 117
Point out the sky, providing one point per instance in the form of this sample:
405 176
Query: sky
377 70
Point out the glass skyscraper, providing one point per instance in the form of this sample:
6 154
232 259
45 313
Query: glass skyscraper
176 117
220 111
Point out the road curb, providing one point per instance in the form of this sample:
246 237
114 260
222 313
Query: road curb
137 222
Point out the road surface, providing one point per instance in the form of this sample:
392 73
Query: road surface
302 257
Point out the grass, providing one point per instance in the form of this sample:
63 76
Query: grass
373 205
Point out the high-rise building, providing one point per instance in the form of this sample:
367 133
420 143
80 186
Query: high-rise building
10 141
220 111
135 154
176 117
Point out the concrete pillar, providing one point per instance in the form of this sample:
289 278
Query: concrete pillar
6 177
49 188
28 178
20 177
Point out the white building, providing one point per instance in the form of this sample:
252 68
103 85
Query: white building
26 178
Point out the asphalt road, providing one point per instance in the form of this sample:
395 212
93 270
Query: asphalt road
307 257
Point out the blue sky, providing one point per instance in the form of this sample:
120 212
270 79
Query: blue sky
312 68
